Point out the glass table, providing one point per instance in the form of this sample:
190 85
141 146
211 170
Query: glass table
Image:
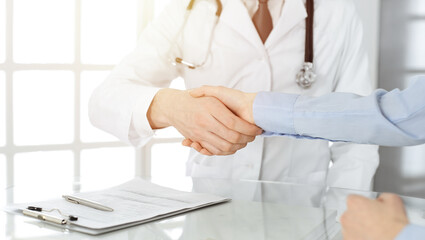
258 210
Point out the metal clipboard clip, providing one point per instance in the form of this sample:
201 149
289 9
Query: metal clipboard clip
39 213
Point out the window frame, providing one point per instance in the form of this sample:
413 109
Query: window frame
142 155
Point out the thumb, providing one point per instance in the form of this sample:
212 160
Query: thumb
226 95
202 91
391 199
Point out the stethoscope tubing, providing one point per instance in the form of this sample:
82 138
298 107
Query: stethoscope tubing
305 78
218 3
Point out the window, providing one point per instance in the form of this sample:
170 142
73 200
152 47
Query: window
2 187
414 61
416 7
402 57
415 47
3 174
2 31
48 168
38 39
109 32
48 70
99 165
43 107
2 109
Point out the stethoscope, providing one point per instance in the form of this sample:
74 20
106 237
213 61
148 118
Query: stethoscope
306 76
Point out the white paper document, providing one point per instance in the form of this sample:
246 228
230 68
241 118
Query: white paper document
134 202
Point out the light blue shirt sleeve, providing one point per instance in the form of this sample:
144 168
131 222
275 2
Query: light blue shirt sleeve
395 118
411 232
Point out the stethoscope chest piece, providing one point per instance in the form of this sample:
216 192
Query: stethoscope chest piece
306 77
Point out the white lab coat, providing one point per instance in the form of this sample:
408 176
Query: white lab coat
238 59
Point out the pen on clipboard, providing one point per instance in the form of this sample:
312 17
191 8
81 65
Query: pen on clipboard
87 203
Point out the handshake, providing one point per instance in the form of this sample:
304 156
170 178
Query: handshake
213 120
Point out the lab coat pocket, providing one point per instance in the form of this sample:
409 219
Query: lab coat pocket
210 167
317 178
203 171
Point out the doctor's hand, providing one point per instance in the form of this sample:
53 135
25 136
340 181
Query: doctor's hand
206 121
238 102
383 218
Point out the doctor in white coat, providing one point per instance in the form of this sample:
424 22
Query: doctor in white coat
134 100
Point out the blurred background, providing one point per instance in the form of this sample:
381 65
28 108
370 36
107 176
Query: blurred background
401 56
53 53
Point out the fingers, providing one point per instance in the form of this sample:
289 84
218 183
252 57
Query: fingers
230 135
187 142
233 122
203 91
390 198
228 96
195 145
350 218
395 204
221 146
209 149
200 149
206 149
224 138
213 127
233 99
208 143
354 200
346 222
238 102
381 218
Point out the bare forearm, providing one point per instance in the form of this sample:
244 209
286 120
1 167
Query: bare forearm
158 111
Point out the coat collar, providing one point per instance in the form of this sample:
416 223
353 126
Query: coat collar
236 16
293 13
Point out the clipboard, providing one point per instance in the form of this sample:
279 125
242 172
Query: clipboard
134 202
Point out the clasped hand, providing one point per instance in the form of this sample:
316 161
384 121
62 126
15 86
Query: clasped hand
210 125
240 104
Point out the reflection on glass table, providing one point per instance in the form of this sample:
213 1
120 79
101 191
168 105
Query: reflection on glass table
258 210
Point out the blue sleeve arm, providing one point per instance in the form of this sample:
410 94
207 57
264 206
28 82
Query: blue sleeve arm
412 232
395 118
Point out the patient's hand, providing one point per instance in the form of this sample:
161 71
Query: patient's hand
383 218
238 102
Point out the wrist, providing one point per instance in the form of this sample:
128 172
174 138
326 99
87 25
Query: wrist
393 230
250 107
398 228
159 111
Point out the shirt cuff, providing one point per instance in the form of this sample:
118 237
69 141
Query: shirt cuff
411 231
274 112
140 122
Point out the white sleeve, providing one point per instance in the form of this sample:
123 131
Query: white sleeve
119 105
354 165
